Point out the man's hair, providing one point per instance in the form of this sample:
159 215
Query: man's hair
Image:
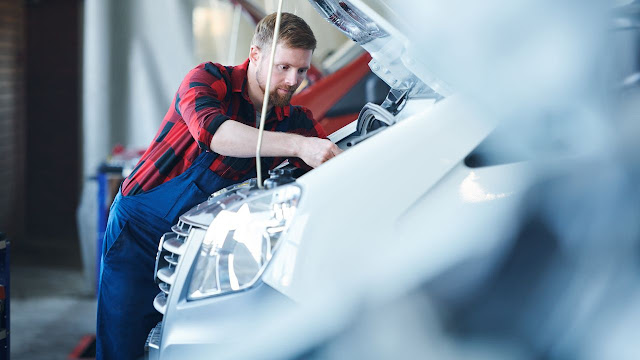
294 32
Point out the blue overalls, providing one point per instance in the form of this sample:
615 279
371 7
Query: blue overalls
136 223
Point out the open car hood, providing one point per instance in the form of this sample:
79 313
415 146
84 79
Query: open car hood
376 26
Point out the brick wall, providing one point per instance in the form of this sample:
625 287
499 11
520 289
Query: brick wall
12 128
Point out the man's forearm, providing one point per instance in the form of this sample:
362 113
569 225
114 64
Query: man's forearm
239 140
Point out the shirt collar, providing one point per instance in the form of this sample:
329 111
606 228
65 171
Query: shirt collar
239 85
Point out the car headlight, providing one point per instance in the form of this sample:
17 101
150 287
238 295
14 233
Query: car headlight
240 241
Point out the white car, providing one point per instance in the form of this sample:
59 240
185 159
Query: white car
414 195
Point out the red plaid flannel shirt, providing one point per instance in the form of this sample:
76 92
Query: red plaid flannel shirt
209 95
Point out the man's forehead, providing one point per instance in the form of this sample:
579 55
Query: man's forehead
295 57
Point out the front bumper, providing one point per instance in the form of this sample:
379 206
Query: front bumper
197 329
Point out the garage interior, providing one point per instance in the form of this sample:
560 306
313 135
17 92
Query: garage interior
121 48
84 85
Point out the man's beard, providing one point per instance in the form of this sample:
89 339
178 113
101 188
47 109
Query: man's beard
276 99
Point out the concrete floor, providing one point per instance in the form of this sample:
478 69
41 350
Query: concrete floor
52 307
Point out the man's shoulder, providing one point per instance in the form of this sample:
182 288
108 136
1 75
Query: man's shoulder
209 75
209 68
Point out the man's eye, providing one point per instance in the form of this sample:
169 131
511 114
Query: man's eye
302 71
283 67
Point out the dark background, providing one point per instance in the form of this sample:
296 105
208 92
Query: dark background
40 94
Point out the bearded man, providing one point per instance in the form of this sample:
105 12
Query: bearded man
206 142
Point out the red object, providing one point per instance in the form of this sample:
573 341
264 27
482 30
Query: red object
313 74
80 352
118 149
3 295
326 92
335 123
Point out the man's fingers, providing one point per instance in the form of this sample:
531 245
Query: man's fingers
321 150
336 150
331 152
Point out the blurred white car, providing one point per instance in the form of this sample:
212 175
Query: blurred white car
415 194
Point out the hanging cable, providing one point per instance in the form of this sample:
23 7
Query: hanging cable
265 101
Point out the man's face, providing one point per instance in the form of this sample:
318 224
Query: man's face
289 70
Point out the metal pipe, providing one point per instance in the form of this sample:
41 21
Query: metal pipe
265 100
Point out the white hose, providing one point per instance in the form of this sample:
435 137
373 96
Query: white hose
265 101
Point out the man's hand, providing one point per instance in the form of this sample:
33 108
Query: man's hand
314 151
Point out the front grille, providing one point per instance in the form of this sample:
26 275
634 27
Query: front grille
154 337
172 246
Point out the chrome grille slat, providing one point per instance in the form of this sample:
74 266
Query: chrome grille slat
154 337
161 251
180 230
168 236
171 260
167 275
164 287
171 247
160 302
191 224
175 246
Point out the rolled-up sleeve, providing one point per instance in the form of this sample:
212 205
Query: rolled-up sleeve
199 103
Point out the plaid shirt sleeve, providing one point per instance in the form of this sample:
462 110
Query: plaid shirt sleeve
199 102
312 128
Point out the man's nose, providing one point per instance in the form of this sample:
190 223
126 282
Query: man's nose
291 78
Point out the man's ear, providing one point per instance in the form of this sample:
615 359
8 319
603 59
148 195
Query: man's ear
254 54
